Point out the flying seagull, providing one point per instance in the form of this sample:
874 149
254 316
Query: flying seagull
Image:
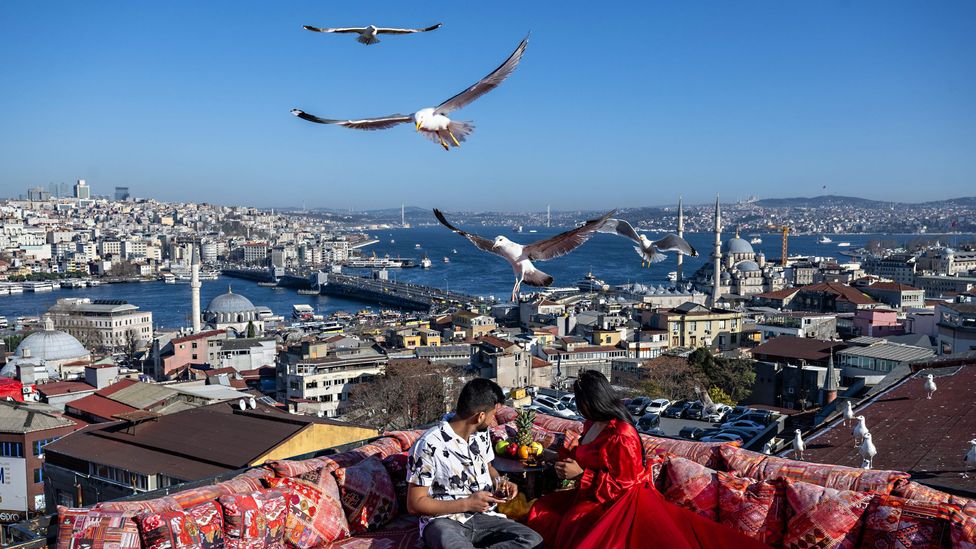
521 256
650 251
433 122
367 34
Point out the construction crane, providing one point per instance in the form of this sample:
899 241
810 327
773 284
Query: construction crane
785 229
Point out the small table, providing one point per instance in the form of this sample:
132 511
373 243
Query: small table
507 466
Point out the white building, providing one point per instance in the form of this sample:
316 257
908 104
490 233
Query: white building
109 324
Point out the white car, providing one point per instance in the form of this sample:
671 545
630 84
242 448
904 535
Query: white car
558 407
743 425
569 400
657 406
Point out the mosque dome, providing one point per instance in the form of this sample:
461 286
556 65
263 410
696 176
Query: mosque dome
51 344
230 303
747 266
737 246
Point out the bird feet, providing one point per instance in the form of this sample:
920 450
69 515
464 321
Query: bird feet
444 144
456 144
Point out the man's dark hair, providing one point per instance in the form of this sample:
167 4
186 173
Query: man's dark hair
478 395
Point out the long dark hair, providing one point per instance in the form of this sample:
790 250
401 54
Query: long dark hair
596 400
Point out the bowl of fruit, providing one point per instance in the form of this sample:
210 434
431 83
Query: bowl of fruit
522 447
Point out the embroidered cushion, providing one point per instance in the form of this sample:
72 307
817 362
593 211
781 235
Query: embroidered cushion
396 466
315 514
705 453
405 438
254 521
755 508
209 518
823 517
292 468
897 523
909 489
94 529
168 530
963 531
693 486
166 503
367 494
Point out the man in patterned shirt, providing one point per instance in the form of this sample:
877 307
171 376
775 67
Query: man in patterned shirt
453 485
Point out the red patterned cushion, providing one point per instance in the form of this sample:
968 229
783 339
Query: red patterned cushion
963 531
91 529
504 415
209 518
823 517
166 503
557 424
241 484
396 466
967 506
757 509
315 513
909 489
367 494
402 532
899 523
168 530
745 463
255 521
705 453
405 438
292 468
693 486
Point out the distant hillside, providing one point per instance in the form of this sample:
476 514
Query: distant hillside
834 200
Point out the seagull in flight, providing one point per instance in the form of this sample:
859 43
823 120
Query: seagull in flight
650 251
521 256
367 34
433 122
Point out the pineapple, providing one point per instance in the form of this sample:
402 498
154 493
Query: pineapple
523 427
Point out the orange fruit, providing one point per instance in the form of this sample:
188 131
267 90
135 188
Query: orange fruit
524 452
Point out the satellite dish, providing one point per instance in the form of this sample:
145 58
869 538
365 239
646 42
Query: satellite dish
253 403
242 404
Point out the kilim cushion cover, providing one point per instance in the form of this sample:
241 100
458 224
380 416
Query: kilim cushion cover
909 489
963 531
166 503
91 529
315 514
168 530
209 518
692 486
367 494
755 508
892 522
255 521
396 466
405 438
823 517
705 453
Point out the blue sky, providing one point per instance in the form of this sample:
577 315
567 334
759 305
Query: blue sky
614 104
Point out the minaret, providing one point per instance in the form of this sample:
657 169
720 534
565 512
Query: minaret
717 254
195 288
681 233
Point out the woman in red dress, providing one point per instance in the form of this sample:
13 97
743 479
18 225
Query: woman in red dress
615 504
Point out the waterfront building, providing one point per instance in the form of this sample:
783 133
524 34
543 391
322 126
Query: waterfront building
255 252
101 323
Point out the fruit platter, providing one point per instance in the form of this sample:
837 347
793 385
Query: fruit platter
522 447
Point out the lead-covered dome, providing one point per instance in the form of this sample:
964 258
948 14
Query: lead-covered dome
737 246
230 303
51 344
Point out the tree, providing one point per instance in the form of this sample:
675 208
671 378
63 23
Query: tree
250 329
734 376
669 377
719 396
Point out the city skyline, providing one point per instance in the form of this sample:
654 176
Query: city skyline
692 100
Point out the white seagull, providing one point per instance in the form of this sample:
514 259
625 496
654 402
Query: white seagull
367 34
521 256
867 451
650 251
433 122
798 445
929 386
848 413
970 458
859 431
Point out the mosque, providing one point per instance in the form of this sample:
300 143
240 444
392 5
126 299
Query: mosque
228 311
47 354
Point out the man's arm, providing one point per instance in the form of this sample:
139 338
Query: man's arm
419 502
511 489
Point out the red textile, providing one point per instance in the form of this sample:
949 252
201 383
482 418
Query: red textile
616 502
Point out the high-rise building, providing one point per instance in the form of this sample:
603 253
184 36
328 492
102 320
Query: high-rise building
38 194
121 193
82 190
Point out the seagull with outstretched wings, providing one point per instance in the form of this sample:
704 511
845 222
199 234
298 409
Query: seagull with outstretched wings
433 122
650 251
521 256
367 34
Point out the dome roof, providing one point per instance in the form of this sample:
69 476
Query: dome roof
230 303
747 266
737 246
51 344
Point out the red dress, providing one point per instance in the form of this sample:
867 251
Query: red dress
616 506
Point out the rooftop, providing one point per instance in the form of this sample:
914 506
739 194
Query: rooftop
801 348
889 351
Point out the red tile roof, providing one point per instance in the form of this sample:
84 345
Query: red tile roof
539 363
779 294
116 387
842 291
892 286
497 342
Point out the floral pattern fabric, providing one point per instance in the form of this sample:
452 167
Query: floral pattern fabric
91 529
892 522
168 530
209 518
315 514
757 509
255 521
367 495
692 486
823 517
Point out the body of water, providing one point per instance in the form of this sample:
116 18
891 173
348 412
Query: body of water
470 270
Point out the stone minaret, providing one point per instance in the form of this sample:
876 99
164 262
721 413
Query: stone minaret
717 255
681 233
195 288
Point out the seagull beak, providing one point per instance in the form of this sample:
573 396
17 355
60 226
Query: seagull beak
495 245
418 125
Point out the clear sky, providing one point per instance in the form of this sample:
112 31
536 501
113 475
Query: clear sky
614 104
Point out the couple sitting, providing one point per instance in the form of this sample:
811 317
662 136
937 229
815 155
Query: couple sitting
455 489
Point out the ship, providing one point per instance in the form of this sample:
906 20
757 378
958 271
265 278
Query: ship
168 278
453 250
824 239
425 262
302 311
373 263
591 283
673 276
417 246
843 244
517 228
755 240
447 259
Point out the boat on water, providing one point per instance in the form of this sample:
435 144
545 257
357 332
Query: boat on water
591 283
38 286
392 241
533 231
417 246
673 276
755 240
92 283
453 250
73 283
824 239
843 244
12 288
302 311
447 259
425 262
168 278
373 263
517 228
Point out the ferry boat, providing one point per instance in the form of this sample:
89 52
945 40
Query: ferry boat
416 246
453 250
168 278
447 259
755 240
591 283
425 263
843 244
302 311
517 228
92 283
673 276
38 286
12 288
373 263
824 239
73 283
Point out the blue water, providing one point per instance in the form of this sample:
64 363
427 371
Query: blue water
470 271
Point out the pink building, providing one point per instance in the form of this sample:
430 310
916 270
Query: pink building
877 323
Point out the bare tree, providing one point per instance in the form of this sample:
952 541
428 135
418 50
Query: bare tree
669 377
410 393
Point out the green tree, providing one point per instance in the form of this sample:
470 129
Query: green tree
251 332
719 396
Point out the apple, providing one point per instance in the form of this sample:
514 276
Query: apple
500 447
512 449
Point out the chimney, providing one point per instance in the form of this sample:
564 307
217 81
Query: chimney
830 385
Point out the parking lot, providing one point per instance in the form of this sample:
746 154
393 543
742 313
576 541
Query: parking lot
672 426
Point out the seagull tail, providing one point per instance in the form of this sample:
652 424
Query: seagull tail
368 40
460 130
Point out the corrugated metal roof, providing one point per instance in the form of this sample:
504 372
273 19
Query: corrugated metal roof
19 417
142 395
889 351
99 406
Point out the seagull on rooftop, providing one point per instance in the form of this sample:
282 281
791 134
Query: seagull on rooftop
929 386
521 256
867 452
970 458
650 251
798 446
848 413
433 122
367 34
859 431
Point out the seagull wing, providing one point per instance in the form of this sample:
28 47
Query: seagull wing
480 242
385 30
563 243
381 123
486 84
357 30
621 228
674 243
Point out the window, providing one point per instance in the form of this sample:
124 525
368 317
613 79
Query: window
38 476
11 449
38 445
165 481
119 476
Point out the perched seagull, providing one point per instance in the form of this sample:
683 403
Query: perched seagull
848 413
970 458
521 256
860 430
798 445
433 122
929 386
650 251
367 35
768 447
867 451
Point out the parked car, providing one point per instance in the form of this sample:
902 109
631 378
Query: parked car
647 422
559 409
691 433
636 406
569 401
722 437
693 411
657 432
745 434
734 413
744 425
762 417
719 414
675 409
658 405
